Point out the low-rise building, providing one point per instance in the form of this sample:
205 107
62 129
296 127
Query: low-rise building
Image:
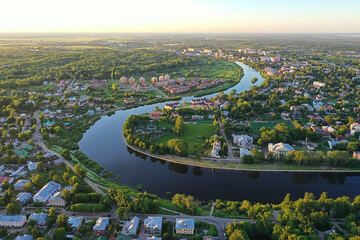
131 226
24 237
23 197
57 200
184 226
101 225
153 225
243 141
39 218
19 185
356 155
46 192
12 220
280 148
75 223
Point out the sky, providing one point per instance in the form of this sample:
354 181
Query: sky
181 16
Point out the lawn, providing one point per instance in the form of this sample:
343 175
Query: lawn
192 134
257 125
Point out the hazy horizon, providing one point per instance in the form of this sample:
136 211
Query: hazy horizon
160 16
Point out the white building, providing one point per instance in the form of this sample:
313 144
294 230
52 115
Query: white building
12 220
318 84
244 151
354 128
243 141
280 148
153 225
57 200
185 226
46 192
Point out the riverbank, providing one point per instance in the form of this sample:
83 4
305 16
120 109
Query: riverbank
233 165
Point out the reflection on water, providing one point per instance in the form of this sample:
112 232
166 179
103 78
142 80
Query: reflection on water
103 143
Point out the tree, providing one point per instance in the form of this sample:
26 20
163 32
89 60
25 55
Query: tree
65 153
28 187
4 232
5 185
13 209
35 232
59 234
62 221
40 166
179 125
237 235
51 219
178 146
79 171
122 212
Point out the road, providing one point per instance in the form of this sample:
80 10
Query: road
230 152
37 137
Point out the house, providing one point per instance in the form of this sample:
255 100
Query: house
9 179
354 128
244 151
75 223
280 148
19 185
12 220
153 225
153 238
101 225
155 115
197 117
24 237
58 162
90 112
23 197
328 129
46 192
32 166
356 155
40 218
243 141
318 84
333 143
184 226
57 200
131 226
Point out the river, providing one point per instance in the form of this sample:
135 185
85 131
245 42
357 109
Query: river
103 143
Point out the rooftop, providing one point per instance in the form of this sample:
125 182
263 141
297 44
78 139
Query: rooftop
40 218
11 218
185 223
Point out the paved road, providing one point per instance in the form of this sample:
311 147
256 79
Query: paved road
230 152
38 138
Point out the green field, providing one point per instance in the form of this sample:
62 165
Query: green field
257 125
193 134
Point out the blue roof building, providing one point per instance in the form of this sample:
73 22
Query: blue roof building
23 197
101 225
46 192
24 237
32 166
40 218
90 112
19 185
75 222
184 226
131 226
12 220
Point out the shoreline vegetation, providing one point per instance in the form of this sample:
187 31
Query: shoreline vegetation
234 166
105 179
